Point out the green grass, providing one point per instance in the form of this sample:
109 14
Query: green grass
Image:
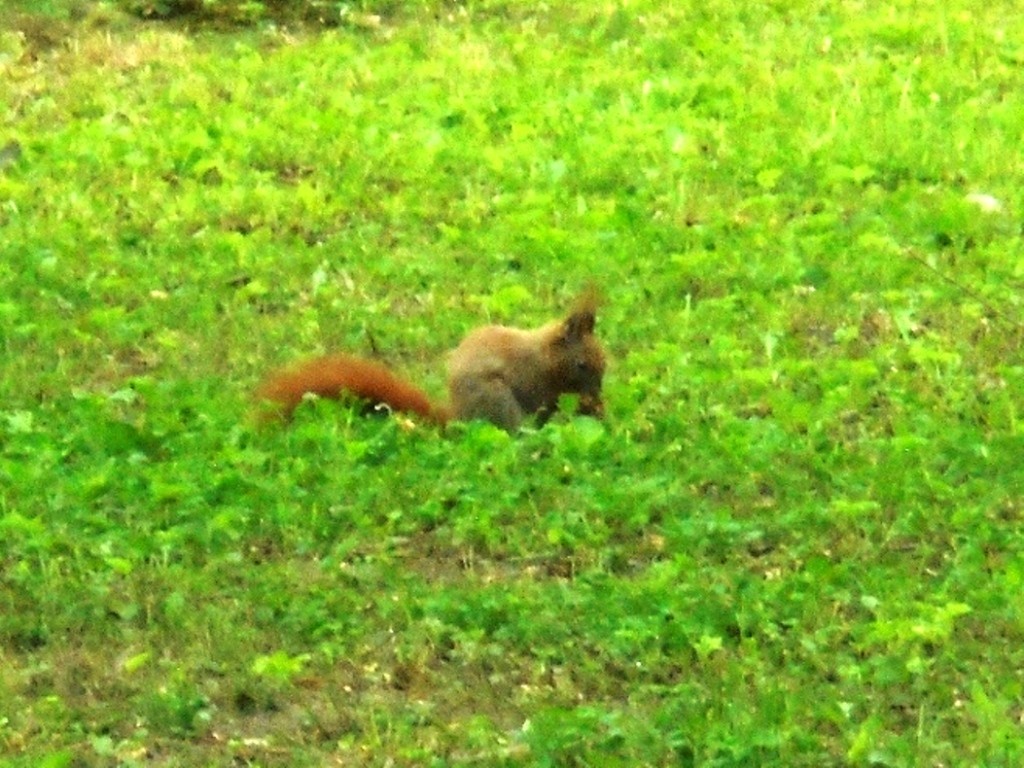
795 540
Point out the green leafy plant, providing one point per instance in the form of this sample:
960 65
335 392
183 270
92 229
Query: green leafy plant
794 539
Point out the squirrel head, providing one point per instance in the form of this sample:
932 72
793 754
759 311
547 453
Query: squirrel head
578 357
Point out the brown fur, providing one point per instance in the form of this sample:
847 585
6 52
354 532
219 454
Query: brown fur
497 373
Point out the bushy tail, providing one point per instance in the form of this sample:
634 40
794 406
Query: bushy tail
340 375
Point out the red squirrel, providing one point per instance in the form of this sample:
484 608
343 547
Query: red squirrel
497 373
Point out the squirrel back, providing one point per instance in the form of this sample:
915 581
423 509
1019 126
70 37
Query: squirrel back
497 373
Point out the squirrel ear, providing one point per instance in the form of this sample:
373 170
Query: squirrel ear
579 324
583 317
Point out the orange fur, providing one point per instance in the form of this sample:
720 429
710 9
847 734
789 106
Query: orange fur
338 375
497 373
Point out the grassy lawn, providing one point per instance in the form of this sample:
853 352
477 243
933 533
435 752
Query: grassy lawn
796 539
